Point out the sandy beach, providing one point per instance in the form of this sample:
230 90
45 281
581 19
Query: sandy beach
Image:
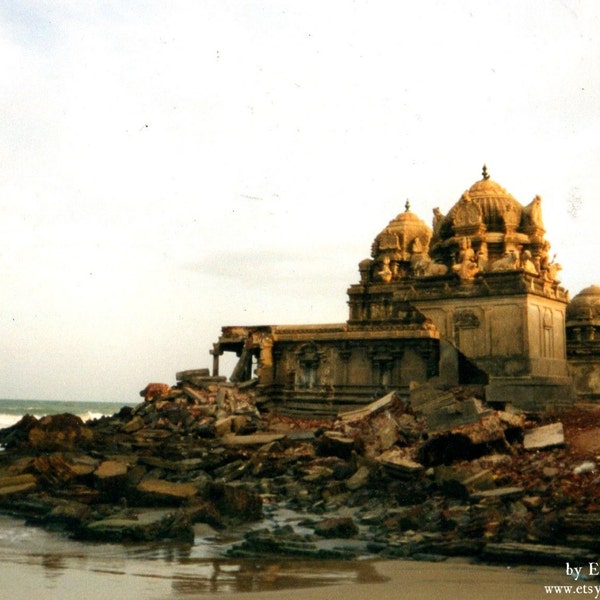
35 564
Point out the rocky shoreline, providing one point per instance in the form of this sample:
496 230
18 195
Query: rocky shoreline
432 475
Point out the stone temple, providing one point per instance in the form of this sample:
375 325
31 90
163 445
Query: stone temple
473 299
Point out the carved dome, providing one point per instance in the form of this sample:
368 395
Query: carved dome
407 233
584 308
493 202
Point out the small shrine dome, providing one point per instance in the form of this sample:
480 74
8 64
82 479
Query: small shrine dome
493 202
584 308
407 233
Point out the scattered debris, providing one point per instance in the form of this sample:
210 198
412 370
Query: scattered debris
435 474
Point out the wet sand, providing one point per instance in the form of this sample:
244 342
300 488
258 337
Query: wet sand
36 564
50 577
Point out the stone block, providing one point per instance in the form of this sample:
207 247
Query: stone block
544 437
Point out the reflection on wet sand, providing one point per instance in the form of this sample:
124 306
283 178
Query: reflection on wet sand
263 576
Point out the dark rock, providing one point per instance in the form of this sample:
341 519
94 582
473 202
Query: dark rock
337 527
139 526
235 502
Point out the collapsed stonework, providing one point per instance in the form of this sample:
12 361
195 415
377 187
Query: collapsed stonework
474 299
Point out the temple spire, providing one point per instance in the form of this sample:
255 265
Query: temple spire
484 172
407 205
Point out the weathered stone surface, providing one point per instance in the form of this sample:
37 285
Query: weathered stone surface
369 410
337 527
425 399
17 484
502 493
59 432
544 437
334 443
235 502
140 526
157 492
155 391
111 479
135 424
359 479
537 554
256 439
53 469
399 464
191 374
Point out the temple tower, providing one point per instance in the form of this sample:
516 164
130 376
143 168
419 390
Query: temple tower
484 277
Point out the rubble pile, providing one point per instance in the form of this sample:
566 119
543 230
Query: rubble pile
436 474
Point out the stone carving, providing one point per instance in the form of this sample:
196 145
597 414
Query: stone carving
385 273
438 219
388 241
466 267
508 262
482 257
423 266
511 218
467 212
527 263
534 212
466 319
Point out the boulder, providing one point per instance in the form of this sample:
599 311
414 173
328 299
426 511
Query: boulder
111 478
155 391
59 433
139 526
235 502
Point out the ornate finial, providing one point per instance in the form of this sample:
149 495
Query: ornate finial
485 173
407 205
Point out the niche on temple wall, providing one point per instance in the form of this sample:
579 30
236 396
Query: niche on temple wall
548 334
309 359
468 332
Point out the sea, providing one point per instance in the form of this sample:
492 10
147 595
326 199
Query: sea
11 411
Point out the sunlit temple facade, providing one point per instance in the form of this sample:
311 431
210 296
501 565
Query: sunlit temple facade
475 298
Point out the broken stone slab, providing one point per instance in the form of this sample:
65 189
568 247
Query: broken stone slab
400 465
111 478
206 383
283 541
194 394
369 410
191 373
179 466
502 493
253 439
537 554
387 435
581 523
425 399
458 482
134 425
223 426
139 526
447 417
546 436
235 501
17 484
359 479
153 492
334 443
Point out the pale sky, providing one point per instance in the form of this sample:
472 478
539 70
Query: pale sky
167 168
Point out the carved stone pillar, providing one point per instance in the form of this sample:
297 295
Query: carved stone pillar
216 352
